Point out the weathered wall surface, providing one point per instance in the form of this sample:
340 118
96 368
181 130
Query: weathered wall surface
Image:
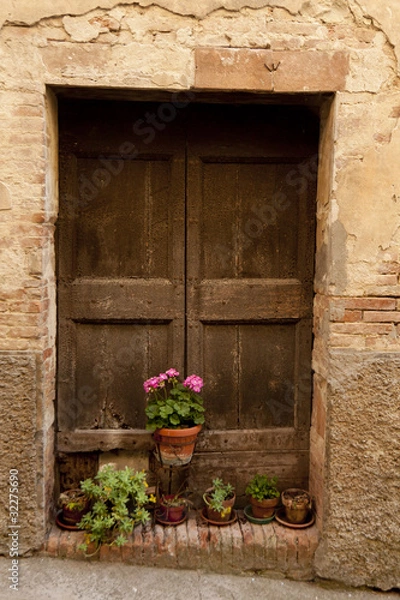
363 458
357 308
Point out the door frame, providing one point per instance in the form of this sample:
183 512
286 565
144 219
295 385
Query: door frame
138 439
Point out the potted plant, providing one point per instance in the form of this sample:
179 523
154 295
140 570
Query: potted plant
73 504
219 500
175 414
173 508
264 496
118 497
297 503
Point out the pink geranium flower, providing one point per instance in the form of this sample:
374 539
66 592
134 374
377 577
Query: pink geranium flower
172 373
194 382
151 384
172 403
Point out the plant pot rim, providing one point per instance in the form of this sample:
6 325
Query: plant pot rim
291 493
164 501
210 490
274 500
233 518
180 432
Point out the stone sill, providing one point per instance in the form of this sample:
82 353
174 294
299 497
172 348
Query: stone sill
238 548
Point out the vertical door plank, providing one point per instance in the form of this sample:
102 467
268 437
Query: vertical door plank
220 370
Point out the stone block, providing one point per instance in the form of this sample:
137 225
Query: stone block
364 446
265 70
18 398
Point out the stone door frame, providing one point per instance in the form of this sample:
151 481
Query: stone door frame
260 76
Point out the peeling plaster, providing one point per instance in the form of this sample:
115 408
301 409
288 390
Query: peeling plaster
385 17
13 12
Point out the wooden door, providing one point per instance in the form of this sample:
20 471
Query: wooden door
189 245
121 263
251 220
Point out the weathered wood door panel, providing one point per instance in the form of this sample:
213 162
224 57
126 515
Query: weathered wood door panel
250 282
121 263
193 250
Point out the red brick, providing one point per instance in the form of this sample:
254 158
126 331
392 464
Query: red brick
110 553
370 303
186 555
361 328
382 316
148 553
386 280
64 544
352 316
215 547
203 534
53 540
258 542
76 539
304 556
169 553
291 548
270 547
237 546
281 547
388 268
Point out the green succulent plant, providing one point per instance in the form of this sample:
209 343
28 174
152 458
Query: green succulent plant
220 491
119 498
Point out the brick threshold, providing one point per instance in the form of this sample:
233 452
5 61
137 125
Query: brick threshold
237 548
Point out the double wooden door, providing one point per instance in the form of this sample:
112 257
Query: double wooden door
186 240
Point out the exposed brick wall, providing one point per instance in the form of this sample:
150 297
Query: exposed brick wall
365 323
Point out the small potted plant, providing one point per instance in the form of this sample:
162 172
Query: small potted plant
264 496
175 414
219 500
119 498
73 504
297 503
173 508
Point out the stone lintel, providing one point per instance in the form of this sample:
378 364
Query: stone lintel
267 70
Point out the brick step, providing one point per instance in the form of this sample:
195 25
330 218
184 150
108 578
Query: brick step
195 544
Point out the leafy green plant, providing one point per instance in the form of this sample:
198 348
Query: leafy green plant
119 498
262 488
218 494
172 403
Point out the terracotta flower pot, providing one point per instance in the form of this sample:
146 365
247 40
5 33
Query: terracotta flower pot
71 515
214 515
173 514
297 503
176 446
262 509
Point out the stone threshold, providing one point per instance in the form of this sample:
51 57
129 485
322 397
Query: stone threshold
238 548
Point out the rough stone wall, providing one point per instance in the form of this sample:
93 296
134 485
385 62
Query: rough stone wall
161 45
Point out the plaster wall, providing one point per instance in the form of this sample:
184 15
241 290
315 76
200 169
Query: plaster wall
348 47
